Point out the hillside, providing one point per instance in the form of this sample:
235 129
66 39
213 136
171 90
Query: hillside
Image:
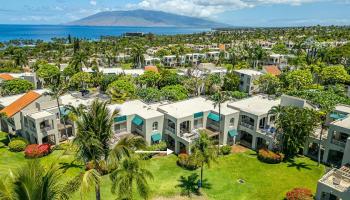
144 18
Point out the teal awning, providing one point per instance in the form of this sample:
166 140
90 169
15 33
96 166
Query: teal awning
120 119
156 137
198 115
214 117
337 116
137 121
232 133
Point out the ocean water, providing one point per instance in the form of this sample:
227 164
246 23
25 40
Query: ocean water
46 32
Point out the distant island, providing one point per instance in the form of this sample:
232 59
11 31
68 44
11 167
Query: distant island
144 18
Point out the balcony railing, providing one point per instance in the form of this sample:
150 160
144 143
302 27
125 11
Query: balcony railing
120 131
46 128
339 143
213 126
172 130
247 125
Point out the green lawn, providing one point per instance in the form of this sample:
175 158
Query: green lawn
263 181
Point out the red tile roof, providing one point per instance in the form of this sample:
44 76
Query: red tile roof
151 68
20 103
272 69
6 77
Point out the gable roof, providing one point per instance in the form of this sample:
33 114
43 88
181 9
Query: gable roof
273 70
20 103
6 77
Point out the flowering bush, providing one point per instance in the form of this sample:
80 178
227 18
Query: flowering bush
299 194
267 156
36 151
186 161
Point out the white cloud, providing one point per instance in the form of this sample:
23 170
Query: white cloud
208 8
93 2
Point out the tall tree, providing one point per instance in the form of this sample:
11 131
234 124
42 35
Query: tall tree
130 174
203 152
33 181
56 91
294 126
219 98
137 56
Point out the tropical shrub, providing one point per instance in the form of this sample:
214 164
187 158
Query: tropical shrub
68 146
299 194
267 156
225 150
21 139
161 146
17 145
37 150
186 161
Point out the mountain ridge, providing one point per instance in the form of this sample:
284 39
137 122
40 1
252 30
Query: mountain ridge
145 18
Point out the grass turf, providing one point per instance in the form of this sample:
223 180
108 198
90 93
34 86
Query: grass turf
262 181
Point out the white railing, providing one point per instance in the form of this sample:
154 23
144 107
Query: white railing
172 130
46 128
246 125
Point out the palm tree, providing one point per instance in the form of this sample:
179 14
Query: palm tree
94 130
277 111
90 179
130 173
78 60
219 98
33 181
19 57
137 55
203 152
56 91
96 120
125 147
323 126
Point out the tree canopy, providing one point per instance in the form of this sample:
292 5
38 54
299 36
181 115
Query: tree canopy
48 72
16 86
174 92
298 79
122 90
335 74
81 80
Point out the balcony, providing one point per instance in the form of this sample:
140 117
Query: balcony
338 179
244 124
172 130
269 131
338 142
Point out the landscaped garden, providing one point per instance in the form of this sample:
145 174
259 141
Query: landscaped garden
259 180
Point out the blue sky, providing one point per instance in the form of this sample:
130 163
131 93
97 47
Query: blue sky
234 12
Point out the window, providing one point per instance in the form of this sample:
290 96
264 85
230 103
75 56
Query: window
232 122
25 122
120 128
272 119
198 123
170 126
155 126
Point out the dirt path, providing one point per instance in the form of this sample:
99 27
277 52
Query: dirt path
238 149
